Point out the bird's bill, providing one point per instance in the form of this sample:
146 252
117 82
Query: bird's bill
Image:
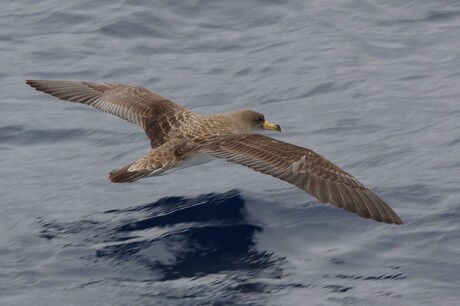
271 127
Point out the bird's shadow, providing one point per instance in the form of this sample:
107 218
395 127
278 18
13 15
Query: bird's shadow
174 237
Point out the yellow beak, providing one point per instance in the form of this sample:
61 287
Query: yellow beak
271 127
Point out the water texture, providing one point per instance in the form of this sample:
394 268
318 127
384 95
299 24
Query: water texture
372 85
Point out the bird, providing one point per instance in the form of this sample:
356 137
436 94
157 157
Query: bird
179 137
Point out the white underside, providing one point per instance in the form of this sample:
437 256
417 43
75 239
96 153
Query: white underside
196 159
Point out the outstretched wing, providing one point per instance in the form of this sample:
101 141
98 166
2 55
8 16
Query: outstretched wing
306 170
138 105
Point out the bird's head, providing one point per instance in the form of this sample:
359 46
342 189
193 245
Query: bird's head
257 121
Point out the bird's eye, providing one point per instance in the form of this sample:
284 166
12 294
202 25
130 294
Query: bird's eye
261 119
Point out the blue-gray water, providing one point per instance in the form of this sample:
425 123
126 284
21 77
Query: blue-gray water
372 85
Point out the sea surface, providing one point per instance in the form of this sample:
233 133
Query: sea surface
372 85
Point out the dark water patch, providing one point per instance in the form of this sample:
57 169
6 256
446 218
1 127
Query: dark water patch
174 237
171 204
227 207
209 250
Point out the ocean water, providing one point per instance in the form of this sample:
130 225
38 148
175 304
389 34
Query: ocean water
372 85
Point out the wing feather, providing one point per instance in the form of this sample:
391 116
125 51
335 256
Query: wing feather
138 105
305 169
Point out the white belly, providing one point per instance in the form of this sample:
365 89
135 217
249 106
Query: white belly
196 159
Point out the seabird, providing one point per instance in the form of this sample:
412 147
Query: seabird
178 135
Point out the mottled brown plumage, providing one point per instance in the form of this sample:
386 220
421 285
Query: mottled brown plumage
177 135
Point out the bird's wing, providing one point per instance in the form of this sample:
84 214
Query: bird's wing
306 170
138 105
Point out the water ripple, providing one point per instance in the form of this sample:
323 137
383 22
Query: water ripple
174 237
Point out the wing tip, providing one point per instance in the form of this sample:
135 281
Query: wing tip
32 83
357 200
390 218
395 220
39 85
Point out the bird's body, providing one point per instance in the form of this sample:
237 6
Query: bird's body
181 138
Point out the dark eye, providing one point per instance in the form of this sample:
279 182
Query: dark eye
261 119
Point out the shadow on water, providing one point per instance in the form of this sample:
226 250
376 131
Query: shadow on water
175 237
205 248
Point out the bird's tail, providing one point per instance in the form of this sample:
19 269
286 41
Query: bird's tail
122 175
